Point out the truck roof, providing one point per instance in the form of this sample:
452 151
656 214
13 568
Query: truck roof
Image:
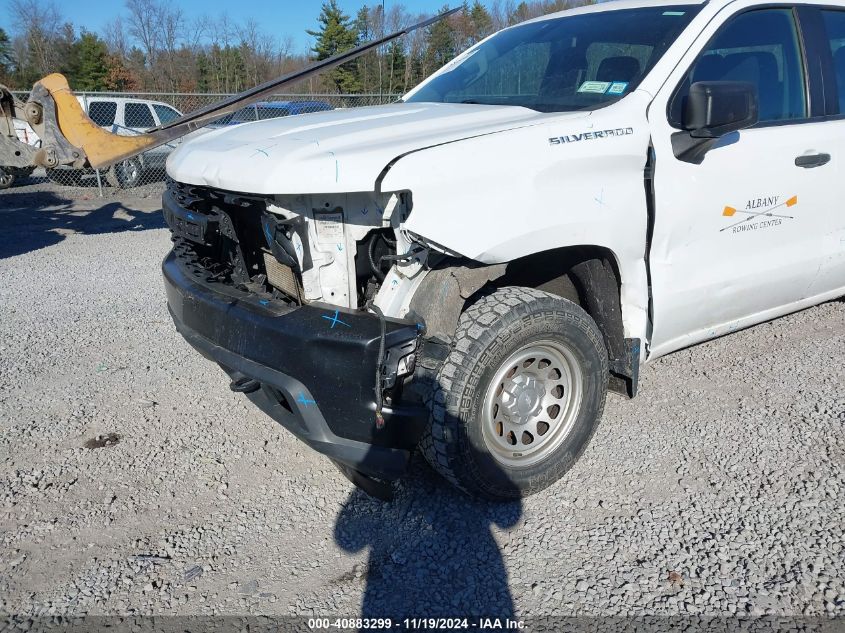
615 5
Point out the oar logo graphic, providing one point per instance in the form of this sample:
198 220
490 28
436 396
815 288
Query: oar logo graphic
730 212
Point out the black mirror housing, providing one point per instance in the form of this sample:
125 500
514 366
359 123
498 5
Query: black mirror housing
716 108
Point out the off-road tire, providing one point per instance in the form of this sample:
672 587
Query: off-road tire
488 332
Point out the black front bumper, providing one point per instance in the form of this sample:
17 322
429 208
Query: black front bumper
315 366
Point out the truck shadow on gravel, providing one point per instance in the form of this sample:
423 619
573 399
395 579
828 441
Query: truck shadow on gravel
32 221
432 552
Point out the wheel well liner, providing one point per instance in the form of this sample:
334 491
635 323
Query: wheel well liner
586 275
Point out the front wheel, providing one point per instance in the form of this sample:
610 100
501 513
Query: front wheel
520 395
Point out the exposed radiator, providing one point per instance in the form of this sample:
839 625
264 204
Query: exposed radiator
282 277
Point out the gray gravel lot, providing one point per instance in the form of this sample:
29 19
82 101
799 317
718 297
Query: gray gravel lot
133 482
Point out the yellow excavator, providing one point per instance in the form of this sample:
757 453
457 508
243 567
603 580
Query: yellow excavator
69 137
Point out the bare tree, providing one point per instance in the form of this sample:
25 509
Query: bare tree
172 29
39 24
115 35
256 46
145 25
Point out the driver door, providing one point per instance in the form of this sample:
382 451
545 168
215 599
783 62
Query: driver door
738 238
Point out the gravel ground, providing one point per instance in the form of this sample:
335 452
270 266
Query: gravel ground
133 482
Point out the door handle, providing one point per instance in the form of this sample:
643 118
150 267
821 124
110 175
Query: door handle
808 161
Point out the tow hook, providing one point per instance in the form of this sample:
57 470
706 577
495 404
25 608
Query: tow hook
244 385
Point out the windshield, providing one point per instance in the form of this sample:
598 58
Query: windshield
572 63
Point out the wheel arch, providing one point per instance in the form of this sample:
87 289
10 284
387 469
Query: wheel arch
588 275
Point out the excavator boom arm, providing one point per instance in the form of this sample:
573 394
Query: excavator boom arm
69 137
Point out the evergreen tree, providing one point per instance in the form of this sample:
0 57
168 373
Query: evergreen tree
203 72
520 14
336 34
7 58
441 46
480 20
395 64
367 64
67 58
89 60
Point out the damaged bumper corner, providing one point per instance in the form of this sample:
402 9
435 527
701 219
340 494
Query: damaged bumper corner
311 368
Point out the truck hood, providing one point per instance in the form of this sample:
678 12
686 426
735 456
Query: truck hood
336 151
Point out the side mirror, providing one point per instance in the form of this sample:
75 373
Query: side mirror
716 108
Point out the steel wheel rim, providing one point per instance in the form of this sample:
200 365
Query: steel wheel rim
6 179
531 404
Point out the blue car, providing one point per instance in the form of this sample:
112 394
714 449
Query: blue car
273 110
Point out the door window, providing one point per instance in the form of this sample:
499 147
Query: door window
834 23
165 113
758 47
102 112
138 115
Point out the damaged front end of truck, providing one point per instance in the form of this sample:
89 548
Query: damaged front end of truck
304 299
279 291
337 266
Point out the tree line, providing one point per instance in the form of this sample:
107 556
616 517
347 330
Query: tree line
153 46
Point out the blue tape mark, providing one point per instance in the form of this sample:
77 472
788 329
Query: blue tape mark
305 401
264 302
336 167
335 319
190 216
340 247
365 211
263 151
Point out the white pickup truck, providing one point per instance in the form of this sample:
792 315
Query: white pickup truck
469 270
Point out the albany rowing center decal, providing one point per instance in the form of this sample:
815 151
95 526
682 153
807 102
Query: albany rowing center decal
759 214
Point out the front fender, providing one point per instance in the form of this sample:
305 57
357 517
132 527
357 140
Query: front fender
500 197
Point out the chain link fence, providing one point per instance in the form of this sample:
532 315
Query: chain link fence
134 113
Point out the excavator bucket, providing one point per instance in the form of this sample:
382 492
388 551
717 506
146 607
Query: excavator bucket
69 137
100 147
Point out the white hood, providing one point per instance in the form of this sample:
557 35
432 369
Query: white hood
335 151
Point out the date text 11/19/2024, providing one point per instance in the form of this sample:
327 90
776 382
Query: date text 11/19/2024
416 624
